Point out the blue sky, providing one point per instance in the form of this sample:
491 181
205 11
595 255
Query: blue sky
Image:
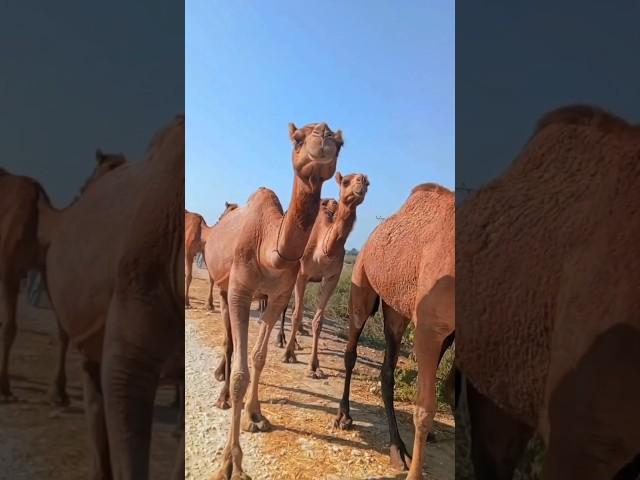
382 72
82 75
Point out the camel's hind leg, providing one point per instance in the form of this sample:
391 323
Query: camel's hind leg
57 394
434 321
296 319
188 268
281 339
210 306
363 303
394 327
327 287
223 399
94 411
9 286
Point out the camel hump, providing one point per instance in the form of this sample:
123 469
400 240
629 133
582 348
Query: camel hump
431 187
581 115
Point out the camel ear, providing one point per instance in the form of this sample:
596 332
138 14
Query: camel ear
338 178
296 135
366 180
99 156
338 137
226 204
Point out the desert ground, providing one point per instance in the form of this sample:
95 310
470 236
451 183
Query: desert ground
38 440
303 443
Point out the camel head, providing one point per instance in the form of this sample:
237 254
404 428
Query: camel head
353 188
315 152
227 208
105 162
329 206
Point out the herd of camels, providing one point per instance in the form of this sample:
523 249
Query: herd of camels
548 337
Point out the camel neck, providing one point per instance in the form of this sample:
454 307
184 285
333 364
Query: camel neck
340 229
298 221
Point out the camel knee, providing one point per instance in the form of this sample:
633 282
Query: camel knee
239 384
317 324
423 419
259 359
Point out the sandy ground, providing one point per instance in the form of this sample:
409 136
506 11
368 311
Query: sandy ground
45 442
303 443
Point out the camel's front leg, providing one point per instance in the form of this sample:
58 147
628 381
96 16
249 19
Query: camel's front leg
327 287
239 308
296 319
94 412
8 299
141 333
253 420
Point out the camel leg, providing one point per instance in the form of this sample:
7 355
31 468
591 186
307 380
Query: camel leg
188 267
434 321
394 327
497 439
223 399
57 394
253 420
363 303
281 339
239 309
94 411
210 306
8 301
178 470
327 287
130 374
301 284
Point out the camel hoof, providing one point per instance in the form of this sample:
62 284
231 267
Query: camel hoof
316 374
343 422
187 306
289 357
279 343
303 331
211 308
226 472
432 438
256 423
298 346
58 399
219 373
222 403
399 458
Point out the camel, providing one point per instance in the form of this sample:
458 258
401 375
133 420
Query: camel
322 262
21 251
328 207
408 265
195 230
114 271
257 253
549 337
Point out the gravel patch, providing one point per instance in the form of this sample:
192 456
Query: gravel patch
207 427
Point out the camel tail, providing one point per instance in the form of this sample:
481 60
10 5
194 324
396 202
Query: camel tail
581 115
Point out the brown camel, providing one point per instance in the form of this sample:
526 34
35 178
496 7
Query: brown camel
407 263
328 207
257 253
21 251
549 336
115 270
195 231
323 260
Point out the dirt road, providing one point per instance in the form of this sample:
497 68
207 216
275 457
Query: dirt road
41 441
303 443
